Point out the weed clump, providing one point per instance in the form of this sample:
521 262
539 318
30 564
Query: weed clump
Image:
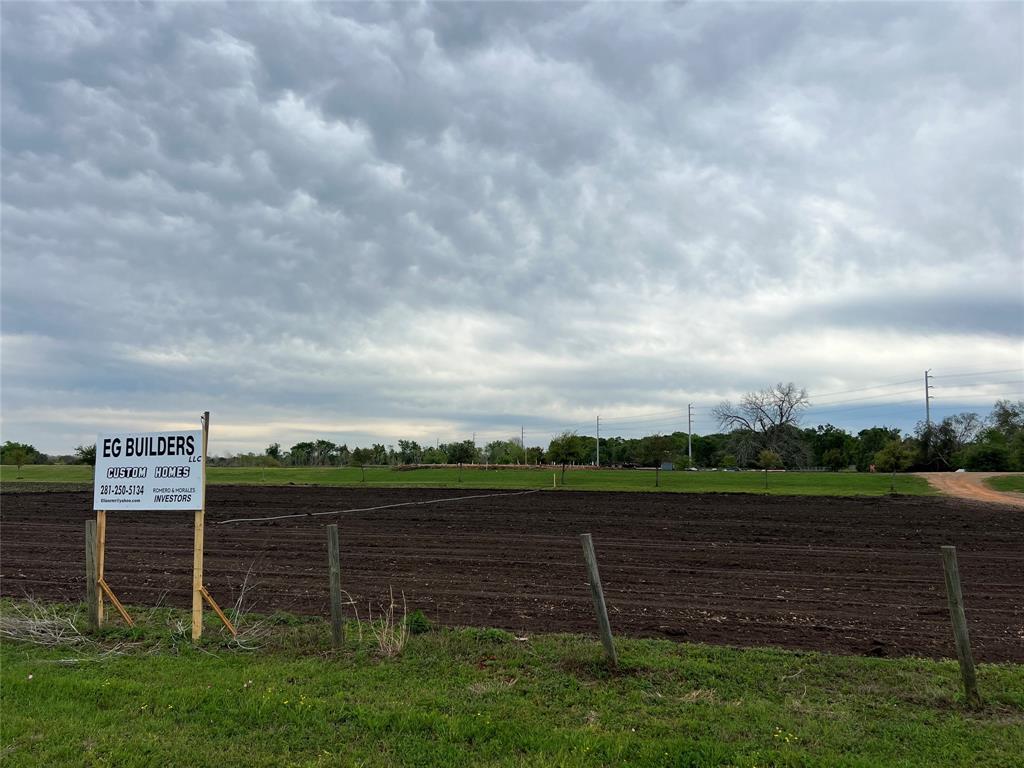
418 623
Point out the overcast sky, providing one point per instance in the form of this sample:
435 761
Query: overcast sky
366 222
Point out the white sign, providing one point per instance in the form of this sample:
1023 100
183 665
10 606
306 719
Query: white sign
151 470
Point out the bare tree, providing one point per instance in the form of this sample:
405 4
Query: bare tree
766 420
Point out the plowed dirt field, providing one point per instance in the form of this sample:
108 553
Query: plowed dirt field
846 575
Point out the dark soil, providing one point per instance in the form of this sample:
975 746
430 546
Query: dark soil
846 575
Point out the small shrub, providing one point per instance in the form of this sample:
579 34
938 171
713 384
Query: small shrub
418 623
492 635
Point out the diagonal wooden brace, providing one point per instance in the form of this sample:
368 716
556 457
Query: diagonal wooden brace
219 612
117 603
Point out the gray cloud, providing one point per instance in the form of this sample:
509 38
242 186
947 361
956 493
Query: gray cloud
438 218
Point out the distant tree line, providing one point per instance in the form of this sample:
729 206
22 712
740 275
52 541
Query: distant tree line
967 440
23 453
762 431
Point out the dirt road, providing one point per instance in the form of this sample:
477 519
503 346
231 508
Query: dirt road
970 485
846 575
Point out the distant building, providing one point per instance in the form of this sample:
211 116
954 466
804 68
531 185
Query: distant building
667 466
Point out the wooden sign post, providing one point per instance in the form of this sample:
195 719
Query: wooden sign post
101 545
199 591
101 582
197 547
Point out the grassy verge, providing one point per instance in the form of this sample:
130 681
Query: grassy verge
1006 483
484 697
779 483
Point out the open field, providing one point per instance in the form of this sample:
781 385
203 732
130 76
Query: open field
1007 483
482 697
779 483
851 575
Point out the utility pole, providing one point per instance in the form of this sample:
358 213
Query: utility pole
599 441
689 432
927 399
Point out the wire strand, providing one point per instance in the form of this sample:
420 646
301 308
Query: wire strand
371 509
864 389
975 373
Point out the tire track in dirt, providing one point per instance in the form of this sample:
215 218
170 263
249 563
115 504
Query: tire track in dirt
971 485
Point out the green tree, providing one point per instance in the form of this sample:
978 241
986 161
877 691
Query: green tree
432 455
20 453
18 456
1007 418
769 460
988 456
835 459
942 443
301 454
565 449
409 452
896 456
870 442
830 440
708 450
1000 446
344 455
503 452
86 454
461 453
682 460
361 457
323 452
379 454
654 449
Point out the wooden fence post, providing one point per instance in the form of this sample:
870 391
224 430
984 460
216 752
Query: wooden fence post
334 567
956 614
91 577
598 595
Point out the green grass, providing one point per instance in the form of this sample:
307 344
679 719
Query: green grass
1004 483
482 697
781 483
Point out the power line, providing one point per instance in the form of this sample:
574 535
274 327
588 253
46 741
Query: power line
977 373
977 383
673 417
864 389
867 397
961 401
678 417
642 417
816 414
